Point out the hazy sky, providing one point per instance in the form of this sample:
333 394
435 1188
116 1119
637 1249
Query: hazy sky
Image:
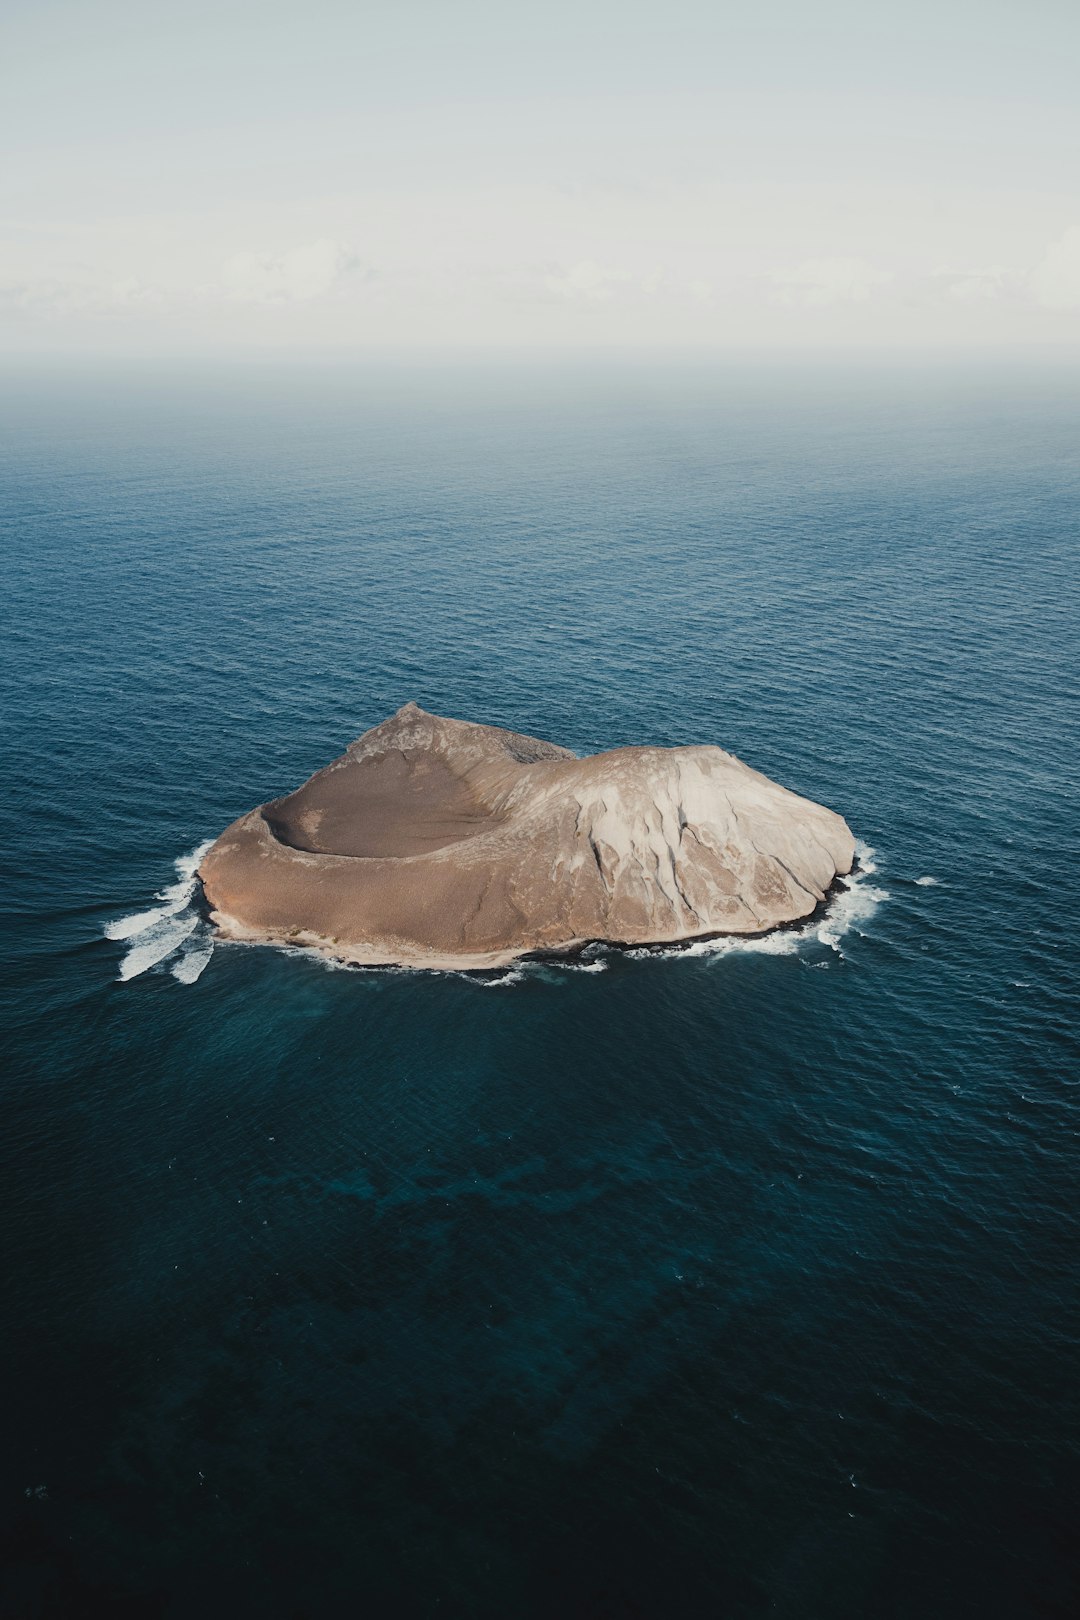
310 176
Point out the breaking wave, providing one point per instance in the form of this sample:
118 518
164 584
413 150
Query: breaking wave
166 929
192 959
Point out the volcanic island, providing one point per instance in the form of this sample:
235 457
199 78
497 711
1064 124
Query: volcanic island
444 844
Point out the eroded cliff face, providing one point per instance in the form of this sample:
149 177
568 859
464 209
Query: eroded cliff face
440 843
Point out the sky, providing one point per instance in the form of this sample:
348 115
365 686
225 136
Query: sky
321 177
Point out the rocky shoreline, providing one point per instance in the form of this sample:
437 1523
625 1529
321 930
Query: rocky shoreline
459 847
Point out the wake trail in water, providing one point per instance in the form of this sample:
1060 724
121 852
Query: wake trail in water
165 929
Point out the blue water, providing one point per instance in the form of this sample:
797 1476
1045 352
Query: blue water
735 1284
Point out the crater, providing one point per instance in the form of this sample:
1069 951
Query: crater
392 806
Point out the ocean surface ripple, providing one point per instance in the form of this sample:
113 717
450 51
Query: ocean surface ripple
734 1280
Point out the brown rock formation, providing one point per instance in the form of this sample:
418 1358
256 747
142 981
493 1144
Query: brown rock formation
439 843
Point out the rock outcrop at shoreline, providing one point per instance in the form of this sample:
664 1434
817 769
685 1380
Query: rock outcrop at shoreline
439 843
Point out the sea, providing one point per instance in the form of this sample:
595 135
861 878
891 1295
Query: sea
736 1281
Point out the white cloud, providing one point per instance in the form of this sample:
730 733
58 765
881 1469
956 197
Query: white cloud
132 293
54 295
302 274
976 286
818 283
587 281
1055 280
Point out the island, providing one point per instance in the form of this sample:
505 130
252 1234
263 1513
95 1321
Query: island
445 844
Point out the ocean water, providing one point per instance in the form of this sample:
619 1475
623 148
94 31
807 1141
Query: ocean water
734 1282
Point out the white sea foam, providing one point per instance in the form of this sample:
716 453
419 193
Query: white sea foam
553 969
140 921
864 855
192 959
174 897
927 882
188 865
159 931
778 944
847 912
156 943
